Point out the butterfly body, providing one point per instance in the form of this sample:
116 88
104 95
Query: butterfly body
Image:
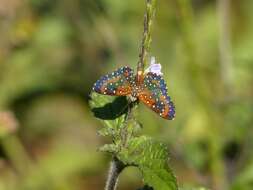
149 88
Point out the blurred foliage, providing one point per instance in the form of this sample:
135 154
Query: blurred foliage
51 52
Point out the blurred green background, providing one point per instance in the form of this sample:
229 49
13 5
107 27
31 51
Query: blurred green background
51 53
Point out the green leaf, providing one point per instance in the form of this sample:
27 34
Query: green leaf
148 155
110 110
112 148
151 158
244 179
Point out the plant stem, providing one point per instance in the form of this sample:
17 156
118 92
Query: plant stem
225 47
115 169
116 165
146 39
16 153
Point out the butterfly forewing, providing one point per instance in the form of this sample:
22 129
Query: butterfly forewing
117 83
154 94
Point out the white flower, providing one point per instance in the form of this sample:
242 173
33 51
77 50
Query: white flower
154 67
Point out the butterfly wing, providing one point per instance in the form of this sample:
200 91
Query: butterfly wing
154 95
117 83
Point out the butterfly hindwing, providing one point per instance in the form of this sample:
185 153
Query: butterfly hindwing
154 95
117 83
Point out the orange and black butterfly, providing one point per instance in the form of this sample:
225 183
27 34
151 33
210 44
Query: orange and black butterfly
149 88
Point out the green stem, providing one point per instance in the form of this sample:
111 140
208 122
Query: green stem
115 169
116 165
146 38
225 46
16 153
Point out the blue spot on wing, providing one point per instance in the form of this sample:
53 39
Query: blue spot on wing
108 84
156 85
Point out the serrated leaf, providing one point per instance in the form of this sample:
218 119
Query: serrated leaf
106 131
151 158
109 109
112 148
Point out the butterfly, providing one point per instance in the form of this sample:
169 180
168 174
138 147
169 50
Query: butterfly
148 87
